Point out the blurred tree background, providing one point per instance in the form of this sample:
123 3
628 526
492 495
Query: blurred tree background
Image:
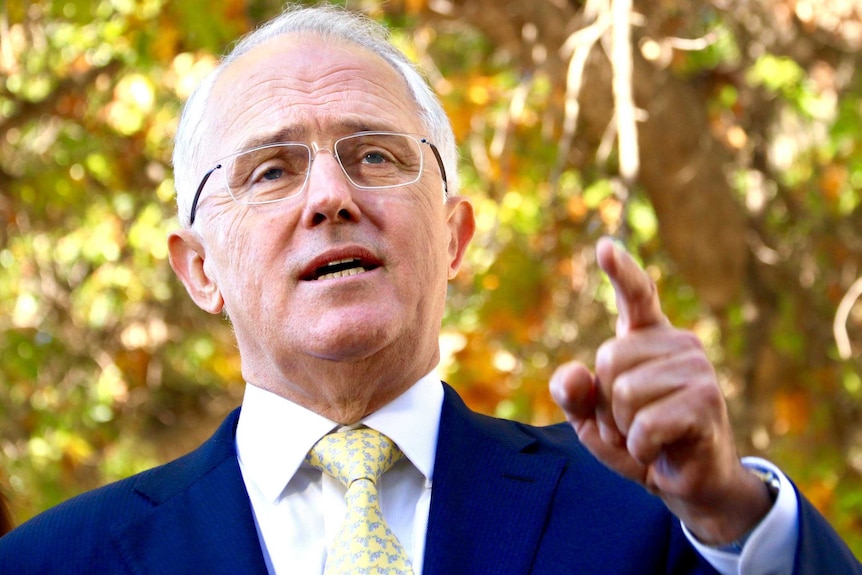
720 140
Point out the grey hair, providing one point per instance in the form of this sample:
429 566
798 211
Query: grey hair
331 24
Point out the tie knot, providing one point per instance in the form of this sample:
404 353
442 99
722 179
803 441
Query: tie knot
355 454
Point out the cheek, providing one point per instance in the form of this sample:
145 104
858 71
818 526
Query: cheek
437 239
243 257
428 238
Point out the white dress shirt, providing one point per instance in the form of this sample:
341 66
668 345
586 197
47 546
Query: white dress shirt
287 495
769 549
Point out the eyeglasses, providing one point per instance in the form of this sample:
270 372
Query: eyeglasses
276 172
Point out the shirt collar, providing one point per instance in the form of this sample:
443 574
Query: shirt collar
411 420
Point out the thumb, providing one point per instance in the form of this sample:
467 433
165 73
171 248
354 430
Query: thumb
573 388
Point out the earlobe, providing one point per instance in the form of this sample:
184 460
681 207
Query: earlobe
461 227
187 257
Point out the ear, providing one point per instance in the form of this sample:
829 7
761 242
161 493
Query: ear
187 257
461 227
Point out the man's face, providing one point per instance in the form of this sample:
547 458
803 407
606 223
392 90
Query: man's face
266 264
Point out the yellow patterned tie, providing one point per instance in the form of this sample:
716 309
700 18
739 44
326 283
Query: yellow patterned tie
365 544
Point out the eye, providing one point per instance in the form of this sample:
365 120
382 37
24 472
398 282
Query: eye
376 157
272 174
267 172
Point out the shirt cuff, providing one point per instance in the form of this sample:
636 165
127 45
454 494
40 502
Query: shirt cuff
771 546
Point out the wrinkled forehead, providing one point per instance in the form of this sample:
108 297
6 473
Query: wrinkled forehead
305 87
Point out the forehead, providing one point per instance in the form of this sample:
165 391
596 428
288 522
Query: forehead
307 88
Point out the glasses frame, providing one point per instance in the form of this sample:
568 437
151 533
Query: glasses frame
220 164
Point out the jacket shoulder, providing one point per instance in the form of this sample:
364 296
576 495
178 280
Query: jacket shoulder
76 531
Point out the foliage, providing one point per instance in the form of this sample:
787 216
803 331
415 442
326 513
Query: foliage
106 367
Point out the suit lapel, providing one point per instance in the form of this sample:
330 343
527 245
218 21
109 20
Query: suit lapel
490 497
490 500
201 520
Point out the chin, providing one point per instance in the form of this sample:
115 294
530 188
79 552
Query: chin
349 345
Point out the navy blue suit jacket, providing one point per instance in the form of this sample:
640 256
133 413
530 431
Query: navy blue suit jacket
507 499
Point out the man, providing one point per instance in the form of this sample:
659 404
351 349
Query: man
318 194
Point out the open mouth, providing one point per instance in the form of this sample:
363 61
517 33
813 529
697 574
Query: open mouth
341 268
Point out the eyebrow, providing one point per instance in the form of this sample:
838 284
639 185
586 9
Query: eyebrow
281 135
294 133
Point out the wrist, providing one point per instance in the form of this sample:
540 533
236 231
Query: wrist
728 526
772 484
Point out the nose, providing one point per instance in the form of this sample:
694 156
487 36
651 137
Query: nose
328 193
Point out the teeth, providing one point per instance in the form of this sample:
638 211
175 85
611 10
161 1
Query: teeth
344 261
342 273
340 268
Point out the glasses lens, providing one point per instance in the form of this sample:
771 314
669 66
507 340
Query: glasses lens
380 160
267 174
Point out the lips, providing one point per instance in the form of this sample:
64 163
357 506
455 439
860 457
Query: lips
339 265
340 269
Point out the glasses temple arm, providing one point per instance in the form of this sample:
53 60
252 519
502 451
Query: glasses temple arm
198 195
440 164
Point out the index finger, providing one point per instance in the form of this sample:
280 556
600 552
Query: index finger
636 295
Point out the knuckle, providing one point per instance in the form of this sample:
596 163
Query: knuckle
645 428
700 365
640 445
713 399
623 392
606 357
689 340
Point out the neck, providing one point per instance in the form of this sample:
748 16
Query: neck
343 392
